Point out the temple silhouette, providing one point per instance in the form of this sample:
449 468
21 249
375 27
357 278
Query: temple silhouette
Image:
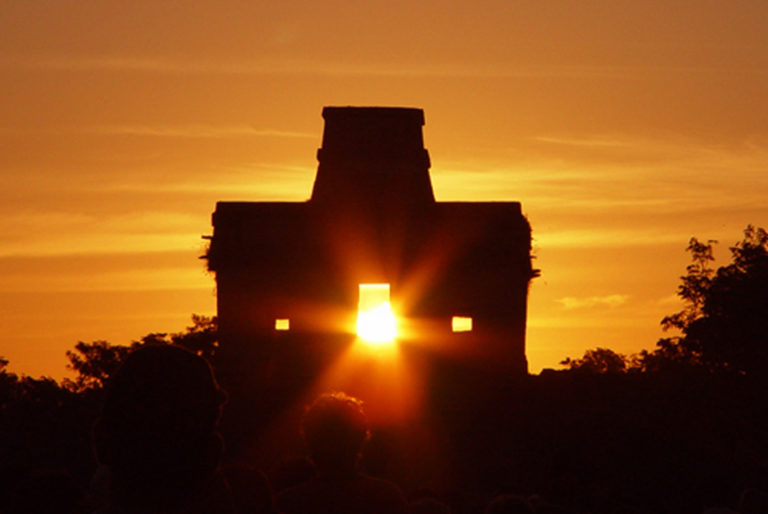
288 274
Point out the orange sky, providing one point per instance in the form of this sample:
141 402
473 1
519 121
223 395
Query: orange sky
623 127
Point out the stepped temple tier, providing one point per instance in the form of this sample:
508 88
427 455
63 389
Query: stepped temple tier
293 278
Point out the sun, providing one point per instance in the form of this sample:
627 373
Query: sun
377 325
376 322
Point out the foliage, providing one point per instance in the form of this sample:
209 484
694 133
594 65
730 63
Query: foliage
599 360
95 362
724 324
201 338
8 383
695 285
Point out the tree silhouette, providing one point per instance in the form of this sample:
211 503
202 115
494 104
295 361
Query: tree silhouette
8 383
599 360
201 338
96 361
724 323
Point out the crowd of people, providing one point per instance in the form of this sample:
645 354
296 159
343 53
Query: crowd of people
160 451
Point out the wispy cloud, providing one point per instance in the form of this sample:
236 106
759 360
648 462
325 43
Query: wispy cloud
598 237
93 243
669 300
611 301
201 131
183 65
585 142
189 274
184 131
60 233
249 181
626 172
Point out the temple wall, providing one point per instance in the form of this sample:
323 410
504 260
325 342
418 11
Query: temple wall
372 219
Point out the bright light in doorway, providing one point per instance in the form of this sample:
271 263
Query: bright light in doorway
375 319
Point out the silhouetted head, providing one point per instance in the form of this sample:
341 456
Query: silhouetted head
428 505
44 492
292 472
509 504
250 489
753 501
335 429
157 432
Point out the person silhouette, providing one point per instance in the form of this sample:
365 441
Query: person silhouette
156 439
335 430
509 504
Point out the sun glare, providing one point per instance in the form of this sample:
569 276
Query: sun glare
375 319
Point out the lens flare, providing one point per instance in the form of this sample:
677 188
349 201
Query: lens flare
377 325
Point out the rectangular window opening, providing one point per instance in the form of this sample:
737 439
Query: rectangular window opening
282 324
372 296
375 321
461 324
